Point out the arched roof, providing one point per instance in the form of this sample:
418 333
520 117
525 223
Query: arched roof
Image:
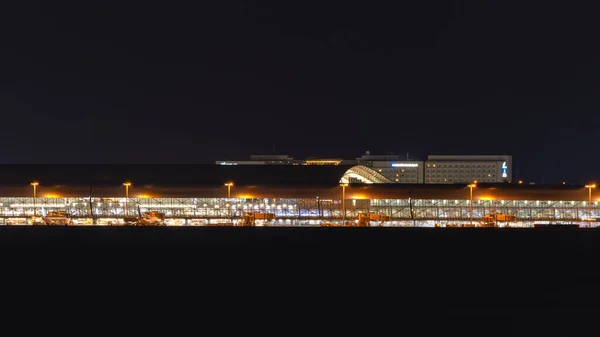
170 175
365 175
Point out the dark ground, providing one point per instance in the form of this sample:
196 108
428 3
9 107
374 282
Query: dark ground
314 281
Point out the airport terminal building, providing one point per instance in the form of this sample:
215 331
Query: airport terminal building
296 195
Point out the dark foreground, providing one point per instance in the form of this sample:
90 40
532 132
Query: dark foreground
290 281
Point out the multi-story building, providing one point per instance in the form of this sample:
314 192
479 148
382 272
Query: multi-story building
456 169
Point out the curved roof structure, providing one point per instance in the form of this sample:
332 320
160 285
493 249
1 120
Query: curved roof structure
365 175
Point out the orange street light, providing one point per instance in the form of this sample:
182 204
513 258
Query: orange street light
471 186
589 187
127 184
229 184
35 185
344 203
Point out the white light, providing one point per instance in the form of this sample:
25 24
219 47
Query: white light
404 165
37 205
168 206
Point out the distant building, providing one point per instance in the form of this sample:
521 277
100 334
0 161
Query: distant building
285 160
263 160
323 161
456 169
437 169
328 161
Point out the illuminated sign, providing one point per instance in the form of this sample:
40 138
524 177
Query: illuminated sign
226 163
504 170
404 165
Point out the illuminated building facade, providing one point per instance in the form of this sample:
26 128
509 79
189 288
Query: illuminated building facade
296 195
300 211
403 172
465 169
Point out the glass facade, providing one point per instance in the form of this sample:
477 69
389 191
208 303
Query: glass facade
302 211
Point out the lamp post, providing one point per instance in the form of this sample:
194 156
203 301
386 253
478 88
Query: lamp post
35 185
589 187
127 184
471 186
344 203
229 184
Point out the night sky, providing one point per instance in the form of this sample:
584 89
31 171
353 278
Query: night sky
193 82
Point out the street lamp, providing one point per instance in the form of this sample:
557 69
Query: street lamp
127 184
589 187
471 186
344 203
35 185
229 184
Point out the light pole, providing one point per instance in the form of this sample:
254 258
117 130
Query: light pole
474 184
589 187
127 184
344 203
229 184
35 185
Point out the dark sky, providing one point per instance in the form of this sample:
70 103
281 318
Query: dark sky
192 82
